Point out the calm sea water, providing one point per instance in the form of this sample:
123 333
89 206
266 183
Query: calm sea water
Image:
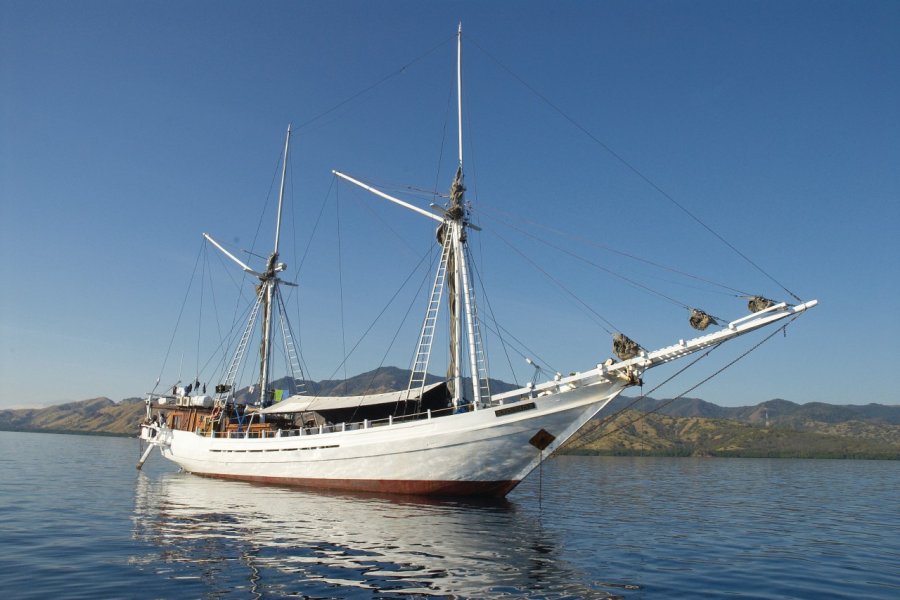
78 521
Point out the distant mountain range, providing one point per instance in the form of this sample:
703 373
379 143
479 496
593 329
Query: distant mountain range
96 416
686 426
776 428
778 412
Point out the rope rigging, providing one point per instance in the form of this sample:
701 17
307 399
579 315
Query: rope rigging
285 326
387 225
736 293
589 438
412 303
180 313
699 319
381 313
628 280
583 435
265 207
434 194
494 319
593 314
371 87
200 313
293 215
212 291
621 159
229 338
224 341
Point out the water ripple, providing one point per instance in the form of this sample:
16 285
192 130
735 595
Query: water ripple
77 521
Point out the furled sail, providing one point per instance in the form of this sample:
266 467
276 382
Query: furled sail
625 347
700 320
758 303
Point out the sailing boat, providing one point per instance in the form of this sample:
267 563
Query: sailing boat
443 438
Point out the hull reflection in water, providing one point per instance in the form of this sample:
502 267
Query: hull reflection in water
272 541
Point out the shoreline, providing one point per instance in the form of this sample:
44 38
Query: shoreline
623 452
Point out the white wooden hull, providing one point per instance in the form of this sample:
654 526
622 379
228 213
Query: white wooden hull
483 452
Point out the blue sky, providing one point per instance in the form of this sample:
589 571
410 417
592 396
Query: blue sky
127 129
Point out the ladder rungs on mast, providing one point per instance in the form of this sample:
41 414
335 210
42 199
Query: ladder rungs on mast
426 337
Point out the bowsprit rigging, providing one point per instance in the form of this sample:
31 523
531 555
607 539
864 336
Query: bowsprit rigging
449 437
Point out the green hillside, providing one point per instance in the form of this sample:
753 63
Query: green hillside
633 433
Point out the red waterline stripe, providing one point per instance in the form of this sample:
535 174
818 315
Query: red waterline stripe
494 489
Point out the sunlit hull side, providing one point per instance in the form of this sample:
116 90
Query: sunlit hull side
485 452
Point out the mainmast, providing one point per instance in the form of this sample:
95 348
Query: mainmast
454 273
461 292
269 284
455 215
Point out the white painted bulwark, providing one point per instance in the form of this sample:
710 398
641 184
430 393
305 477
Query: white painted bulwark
489 446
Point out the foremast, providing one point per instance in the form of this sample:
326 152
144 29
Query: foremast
269 280
267 298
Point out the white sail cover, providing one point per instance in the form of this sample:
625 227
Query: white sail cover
302 403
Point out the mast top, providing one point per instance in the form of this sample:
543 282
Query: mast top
287 143
456 210
459 90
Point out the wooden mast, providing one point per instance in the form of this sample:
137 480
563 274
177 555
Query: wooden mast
270 281
454 229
